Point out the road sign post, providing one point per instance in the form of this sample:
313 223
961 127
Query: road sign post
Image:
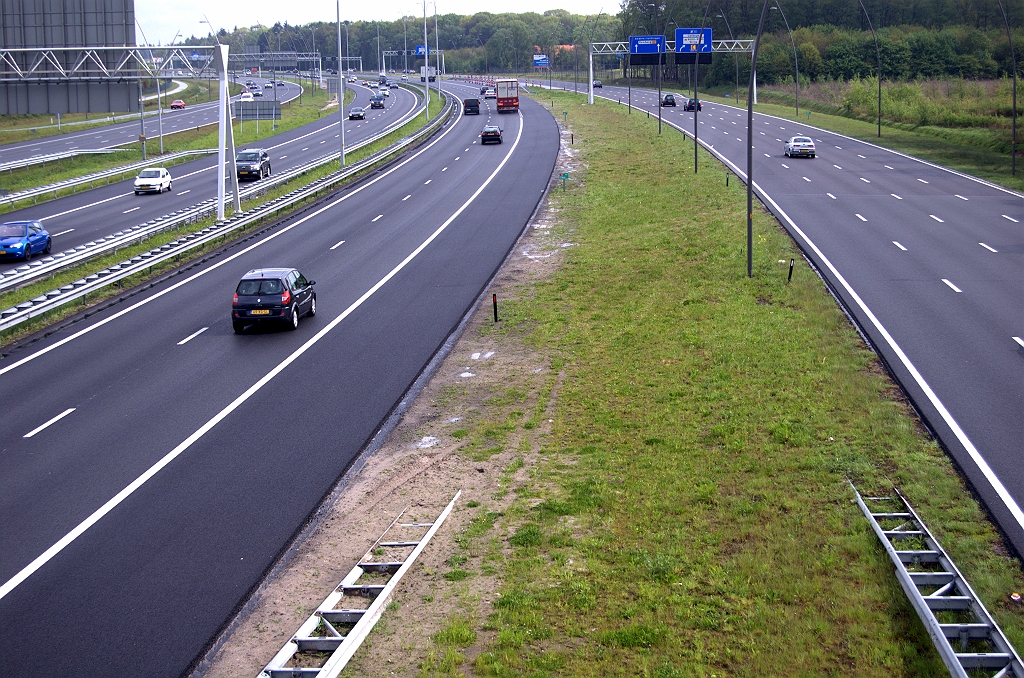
693 46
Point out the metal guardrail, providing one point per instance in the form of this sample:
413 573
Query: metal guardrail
93 282
38 268
11 198
54 157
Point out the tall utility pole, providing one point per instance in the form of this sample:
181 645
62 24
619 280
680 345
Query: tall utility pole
750 141
341 90
437 56
796 61
426 63
378 46
405 51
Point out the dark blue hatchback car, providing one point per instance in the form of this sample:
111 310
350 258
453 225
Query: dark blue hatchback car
22 239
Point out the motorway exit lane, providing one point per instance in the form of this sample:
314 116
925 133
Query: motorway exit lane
126 132
189 544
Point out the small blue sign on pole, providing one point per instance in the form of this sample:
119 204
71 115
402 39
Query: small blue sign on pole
691 40
541 61
647 44
421 50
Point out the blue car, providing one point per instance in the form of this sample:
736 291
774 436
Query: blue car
22 239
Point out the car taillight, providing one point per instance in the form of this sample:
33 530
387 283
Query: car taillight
286 297
234 302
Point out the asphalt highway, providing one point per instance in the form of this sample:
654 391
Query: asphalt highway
120 133
929 261
156 463
78 219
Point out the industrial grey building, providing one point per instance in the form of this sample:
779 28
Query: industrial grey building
46 65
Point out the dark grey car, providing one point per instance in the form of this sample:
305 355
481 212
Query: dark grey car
272 295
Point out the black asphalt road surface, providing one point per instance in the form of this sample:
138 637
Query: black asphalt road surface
81 218
928 260
229 441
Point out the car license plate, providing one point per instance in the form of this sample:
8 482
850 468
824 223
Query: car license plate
260 311
3 251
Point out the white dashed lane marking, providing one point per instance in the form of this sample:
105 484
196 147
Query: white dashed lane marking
952 286
192 336
990 249
861 217
899 245
376 218
52 421
936 218
337 244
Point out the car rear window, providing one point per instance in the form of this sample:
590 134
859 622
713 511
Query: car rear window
472 102
249 288
12 230
802 140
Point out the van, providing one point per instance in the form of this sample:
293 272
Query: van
471 107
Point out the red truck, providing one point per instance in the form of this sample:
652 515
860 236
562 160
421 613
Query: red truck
507 90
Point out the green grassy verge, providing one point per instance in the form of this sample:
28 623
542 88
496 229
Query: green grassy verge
14 297
293 114
690 513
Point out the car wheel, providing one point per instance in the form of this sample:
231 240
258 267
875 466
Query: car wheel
28 252
168 186
270 170
237 326
312 307
136 192
294 324
49 246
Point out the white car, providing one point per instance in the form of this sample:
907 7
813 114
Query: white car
385 91
153 180
246 96
405 77
800 146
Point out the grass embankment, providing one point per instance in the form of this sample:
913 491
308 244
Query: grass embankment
690 513
293 114
67 276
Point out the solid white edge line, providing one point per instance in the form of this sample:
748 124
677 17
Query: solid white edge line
18 363
952 286
926 388
99 513
52 421
192 336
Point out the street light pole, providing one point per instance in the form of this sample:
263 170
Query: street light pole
405 52
878 55
696 72
426 62
736 58
1013 60
750 143
341 90
796 62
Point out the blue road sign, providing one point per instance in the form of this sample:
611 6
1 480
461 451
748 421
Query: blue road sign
541 61
690 40
196 56
420 51
647 44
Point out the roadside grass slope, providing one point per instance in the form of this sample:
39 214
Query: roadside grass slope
690 513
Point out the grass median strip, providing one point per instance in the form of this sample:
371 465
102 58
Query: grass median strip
38 288
689 513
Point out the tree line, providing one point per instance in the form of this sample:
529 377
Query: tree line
917 38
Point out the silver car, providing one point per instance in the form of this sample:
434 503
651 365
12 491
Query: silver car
800 146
